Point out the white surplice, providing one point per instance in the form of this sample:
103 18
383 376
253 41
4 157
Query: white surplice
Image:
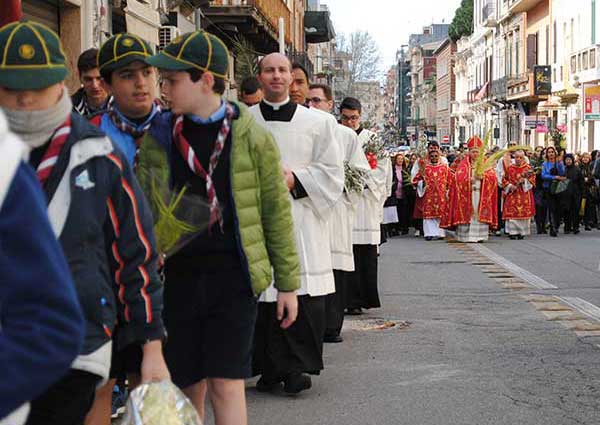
341 221
308 147
369 212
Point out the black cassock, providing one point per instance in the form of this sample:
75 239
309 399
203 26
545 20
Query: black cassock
361 290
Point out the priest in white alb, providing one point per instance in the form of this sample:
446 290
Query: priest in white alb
313 170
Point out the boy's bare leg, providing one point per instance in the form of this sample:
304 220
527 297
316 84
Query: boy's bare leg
197 395
228 397
101 410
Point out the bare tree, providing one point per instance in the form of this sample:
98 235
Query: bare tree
364 60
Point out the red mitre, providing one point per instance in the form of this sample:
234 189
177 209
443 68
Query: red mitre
475 142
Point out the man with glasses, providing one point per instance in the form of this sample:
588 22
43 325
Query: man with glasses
362 289
341 223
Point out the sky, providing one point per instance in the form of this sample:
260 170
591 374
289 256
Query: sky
390 22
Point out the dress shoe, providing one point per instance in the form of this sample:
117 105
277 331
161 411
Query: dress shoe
266 385
296 382
354 311
333 339
588 229
553 233
520 237
512 237
428 238
576 232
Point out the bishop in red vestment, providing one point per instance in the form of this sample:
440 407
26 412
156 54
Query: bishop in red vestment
473 199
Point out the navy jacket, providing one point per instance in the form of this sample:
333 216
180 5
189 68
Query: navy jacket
41 324
104 225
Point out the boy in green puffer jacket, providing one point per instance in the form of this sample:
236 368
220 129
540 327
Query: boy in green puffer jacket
217 150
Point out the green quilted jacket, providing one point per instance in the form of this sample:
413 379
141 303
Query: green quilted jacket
262 208
263 211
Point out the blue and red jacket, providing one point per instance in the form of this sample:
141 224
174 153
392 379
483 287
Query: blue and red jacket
105 227
41 323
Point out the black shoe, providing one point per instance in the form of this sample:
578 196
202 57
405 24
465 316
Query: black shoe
576 232
267 385
553 233
354 311
588 229
512 237
333 339
520 237
296 382
428 238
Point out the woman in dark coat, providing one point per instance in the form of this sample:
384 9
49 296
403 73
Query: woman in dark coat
415 214
571 198
541 211
590 191
401 185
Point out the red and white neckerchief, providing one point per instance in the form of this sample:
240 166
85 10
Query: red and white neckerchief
57 141
190 158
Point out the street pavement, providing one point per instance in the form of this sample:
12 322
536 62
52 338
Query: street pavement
474 351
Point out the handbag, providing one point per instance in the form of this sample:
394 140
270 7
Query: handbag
559 186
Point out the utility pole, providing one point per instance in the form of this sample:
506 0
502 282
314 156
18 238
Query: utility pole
10 11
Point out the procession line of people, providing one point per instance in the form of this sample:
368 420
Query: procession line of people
279 252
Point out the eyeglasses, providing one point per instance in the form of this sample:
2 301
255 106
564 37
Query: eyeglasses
350 118
315 100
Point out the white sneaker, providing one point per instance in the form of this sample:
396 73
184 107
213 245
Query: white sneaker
417 234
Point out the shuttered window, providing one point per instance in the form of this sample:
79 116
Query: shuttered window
44 12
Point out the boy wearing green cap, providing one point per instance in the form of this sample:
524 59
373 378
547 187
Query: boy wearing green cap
220 153
98 213
128 122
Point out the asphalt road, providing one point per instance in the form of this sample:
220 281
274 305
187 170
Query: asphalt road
475 352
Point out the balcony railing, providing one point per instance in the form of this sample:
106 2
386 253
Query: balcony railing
272 10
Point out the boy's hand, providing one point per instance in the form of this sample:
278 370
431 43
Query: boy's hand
287 302
289 178
154 368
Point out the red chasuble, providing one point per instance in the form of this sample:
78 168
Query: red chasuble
461 204
435 202
518 205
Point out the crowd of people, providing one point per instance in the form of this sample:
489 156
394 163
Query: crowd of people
546 187
274 249
279 246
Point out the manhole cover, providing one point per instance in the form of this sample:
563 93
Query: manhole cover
374 324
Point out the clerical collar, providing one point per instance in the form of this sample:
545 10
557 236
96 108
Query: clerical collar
277 105
283 112
359 130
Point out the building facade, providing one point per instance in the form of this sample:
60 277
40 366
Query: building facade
445 90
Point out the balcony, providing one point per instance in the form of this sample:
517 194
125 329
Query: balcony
518 6
258 20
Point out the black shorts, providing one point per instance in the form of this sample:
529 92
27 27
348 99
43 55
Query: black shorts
210 321
127 361
67 401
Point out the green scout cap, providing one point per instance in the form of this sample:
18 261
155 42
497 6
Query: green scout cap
199 49
31 56
122 49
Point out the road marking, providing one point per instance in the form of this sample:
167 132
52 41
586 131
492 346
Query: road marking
528 277
583 306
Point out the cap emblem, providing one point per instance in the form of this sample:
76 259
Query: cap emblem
128 42
26 51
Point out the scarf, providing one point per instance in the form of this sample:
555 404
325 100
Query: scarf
188 154
58 140
35 128
136 132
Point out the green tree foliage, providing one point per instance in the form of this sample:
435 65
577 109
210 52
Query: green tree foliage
462 24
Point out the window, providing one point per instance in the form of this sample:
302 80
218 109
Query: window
574 64
593 58
554 41
584 61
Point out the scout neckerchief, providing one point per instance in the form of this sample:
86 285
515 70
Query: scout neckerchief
192 161
137 133
57 141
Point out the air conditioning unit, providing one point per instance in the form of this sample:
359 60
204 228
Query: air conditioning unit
166 34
